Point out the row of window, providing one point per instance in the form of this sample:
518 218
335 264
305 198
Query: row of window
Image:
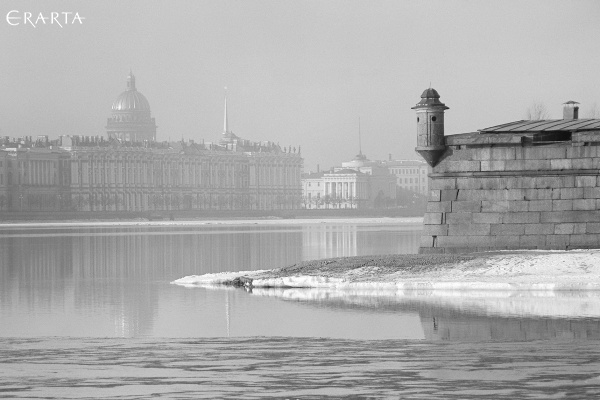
402 171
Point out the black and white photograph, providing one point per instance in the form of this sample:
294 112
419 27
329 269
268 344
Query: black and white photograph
299 199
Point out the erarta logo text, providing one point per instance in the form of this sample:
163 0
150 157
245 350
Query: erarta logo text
55 18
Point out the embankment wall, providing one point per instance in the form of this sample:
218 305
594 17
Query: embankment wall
514 196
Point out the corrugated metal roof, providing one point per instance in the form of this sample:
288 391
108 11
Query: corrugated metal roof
548 125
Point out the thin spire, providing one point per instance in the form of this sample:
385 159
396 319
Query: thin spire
359 142
225 121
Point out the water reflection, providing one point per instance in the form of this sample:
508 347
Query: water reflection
114 281
491 316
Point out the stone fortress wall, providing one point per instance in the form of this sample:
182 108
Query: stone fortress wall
529 189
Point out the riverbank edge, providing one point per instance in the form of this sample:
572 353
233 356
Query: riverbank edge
519 270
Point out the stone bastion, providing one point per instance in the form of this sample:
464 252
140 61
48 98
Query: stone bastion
523 185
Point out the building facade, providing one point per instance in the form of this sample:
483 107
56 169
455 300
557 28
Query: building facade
520 185
359 183
410 175
130 171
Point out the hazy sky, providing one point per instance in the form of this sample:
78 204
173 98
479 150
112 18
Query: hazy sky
299 73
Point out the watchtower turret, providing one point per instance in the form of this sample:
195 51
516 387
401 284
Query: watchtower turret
430 126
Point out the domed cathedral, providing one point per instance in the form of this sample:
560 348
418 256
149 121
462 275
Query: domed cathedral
131 120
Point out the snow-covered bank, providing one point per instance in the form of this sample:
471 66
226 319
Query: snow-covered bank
192 223
540 271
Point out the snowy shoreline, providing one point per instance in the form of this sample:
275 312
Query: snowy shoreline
504 271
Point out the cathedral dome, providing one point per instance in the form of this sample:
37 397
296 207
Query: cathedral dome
131 99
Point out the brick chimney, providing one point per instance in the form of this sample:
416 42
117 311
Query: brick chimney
571 110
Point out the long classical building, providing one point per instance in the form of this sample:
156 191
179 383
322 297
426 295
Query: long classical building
129 171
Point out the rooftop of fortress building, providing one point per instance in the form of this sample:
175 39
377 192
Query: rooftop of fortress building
546 125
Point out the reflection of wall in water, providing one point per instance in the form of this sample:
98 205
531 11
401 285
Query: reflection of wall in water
346 240
467 328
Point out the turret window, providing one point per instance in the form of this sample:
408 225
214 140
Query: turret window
417 119
433 119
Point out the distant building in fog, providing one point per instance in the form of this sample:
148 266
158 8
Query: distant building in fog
130 171
131 120
410 174
359 183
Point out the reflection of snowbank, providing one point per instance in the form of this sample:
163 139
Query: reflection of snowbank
504 271
573 304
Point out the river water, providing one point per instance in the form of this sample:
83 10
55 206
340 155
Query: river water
89 312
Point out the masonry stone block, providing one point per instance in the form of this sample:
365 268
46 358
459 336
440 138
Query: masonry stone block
557 241
506 241
524 182
582 163
494 206
515 194
584 240
591 193
466 206
540 205
449 194
582 151
426 241
539 229
580 228
458 166
442 183
502 153
460 250
433 218
570 216
487 218
518 206
495 183
431 250
435 230
468 183
435 195
494 165
521 218
592 227
468 229
584 204
541 152
541 194
528 165
571 193
562 205
567 181
458 218
463 241
564 229
548 182
532 241
439 206
561 164
507 229
585 181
